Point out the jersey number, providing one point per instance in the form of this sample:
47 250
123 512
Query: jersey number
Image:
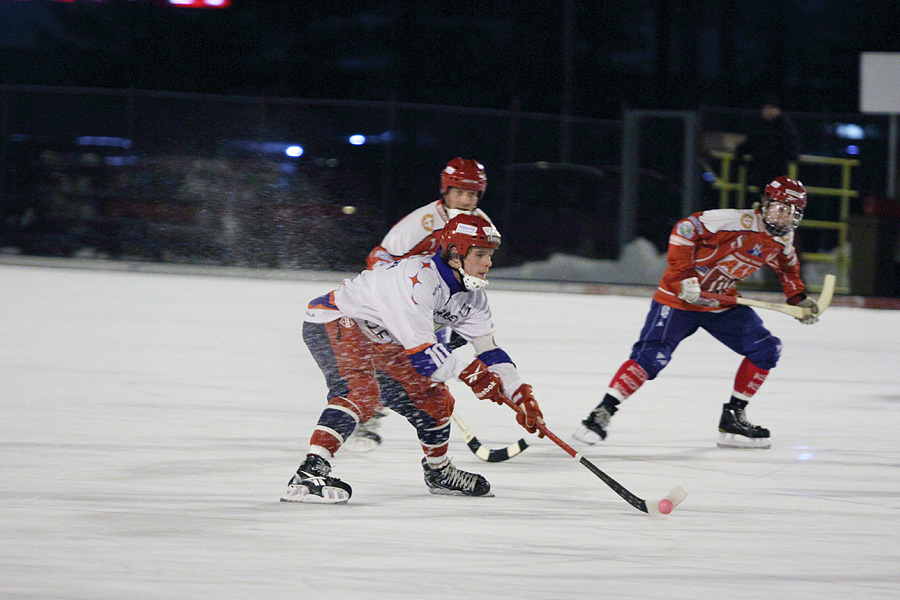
438 353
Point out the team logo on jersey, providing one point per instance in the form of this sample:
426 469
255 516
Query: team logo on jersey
756 251
428 222
747 221
346 322
686 229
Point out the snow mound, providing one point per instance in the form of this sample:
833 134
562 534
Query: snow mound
639 264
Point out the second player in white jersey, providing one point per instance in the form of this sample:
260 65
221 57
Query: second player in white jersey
463 183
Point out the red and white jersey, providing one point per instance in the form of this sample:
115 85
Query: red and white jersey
405 302
419 232
722 248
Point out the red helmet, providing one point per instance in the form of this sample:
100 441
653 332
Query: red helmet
469 231
464 173
787 191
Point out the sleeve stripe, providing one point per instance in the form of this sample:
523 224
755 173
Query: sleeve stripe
417 349
323 302
495 356
428 358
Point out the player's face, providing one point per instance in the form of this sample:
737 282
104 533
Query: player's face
478 262
780 214
458 199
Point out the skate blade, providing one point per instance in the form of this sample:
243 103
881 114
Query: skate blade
586 436
330 495
731 440
443 492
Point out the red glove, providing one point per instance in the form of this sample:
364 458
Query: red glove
485 383
530 415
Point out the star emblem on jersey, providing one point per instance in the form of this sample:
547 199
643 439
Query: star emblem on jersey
414 279
428 222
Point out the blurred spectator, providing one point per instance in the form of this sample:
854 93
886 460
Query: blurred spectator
772 142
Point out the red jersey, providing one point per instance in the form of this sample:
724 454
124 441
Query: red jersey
721 248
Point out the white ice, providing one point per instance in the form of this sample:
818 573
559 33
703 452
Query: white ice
149 424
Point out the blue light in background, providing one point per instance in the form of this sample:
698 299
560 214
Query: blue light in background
357 140
709 177
852 149
849 131
294 151
95 140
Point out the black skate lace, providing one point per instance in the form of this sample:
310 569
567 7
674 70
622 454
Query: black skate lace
317 468
460 479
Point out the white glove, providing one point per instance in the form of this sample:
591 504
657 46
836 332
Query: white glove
813 315
690 289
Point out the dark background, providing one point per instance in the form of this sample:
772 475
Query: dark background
574 57
134 129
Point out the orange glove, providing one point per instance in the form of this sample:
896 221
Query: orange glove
530 415
485 383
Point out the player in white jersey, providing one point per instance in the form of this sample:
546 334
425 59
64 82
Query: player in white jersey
463 183
377 331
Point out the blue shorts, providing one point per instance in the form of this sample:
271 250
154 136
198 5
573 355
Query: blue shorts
739 328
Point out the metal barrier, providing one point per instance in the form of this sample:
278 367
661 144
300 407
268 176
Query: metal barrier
732 186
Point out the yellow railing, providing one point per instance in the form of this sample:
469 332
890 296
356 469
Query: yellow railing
733 191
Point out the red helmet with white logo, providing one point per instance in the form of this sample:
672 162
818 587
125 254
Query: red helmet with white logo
469 231
464 173
787 191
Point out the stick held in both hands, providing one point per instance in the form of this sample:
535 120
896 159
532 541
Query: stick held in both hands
798 312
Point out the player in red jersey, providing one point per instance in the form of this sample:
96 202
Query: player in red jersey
713 251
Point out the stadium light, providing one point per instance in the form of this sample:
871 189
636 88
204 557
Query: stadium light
200 3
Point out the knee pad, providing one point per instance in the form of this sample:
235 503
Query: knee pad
765 353
653 358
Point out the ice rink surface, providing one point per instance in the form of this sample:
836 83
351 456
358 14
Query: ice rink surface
149 424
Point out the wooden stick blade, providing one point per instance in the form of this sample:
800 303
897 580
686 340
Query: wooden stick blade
827 293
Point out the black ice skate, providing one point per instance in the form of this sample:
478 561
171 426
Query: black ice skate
451 481
735 431
593 429
312 483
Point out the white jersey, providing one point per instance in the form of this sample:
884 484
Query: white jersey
415 227
419 232
405 302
